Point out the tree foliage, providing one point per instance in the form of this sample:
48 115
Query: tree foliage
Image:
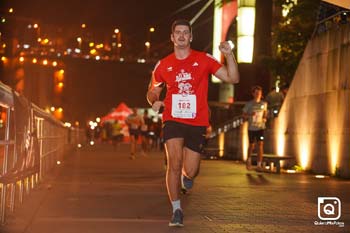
290 36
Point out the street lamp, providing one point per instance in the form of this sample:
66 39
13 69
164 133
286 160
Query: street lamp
79 42
148 43
119 42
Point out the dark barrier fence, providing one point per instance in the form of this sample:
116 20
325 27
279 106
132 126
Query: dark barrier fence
32 142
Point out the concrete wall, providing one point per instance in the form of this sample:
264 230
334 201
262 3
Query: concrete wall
313 124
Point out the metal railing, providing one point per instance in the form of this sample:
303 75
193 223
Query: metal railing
333 21
31 143
234 123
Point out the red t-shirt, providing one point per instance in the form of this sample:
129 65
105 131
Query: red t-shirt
186 100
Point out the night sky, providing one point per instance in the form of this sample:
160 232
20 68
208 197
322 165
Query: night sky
133 18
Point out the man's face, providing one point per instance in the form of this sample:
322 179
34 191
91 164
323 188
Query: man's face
181 36
257 94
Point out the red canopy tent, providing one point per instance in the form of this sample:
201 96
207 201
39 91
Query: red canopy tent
120 113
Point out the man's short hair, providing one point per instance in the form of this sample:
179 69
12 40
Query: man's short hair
254 88
181 22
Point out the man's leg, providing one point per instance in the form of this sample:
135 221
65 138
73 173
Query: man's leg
132 146
173 149
260 152
249 158
191 163
174 165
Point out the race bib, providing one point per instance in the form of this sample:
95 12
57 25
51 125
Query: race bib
258 118
184 106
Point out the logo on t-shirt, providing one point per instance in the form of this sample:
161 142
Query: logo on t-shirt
183 76
185 88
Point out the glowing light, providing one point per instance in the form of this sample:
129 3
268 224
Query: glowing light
304 150
79 145
21 59
148 44
34 60
245 141
45 62
83 25
35 25
93 51
61 71
217 35
291 171
232 45
91 44
221 144
151 29
245 49
116 31
58 162
60 84
79 39
11 10
119 45
4 59
98 58
320 176
335 125
60 109
52 109
245 32
98 119
92 143
67 124
246 20
54 63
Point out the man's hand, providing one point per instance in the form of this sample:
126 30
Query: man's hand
157 105
225 48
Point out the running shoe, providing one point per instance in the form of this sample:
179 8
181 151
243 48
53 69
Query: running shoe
186 183
177 219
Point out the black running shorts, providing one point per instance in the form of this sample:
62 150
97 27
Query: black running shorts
256 135
194 136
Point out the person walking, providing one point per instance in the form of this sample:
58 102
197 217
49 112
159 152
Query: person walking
185 72
255 111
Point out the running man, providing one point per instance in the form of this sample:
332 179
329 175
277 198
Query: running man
134 122
256 112
185 72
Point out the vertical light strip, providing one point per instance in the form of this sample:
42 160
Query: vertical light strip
217 34
245 31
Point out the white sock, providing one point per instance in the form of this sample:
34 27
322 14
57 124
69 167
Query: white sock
176 205
259 164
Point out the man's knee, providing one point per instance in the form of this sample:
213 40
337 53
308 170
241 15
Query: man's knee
191 172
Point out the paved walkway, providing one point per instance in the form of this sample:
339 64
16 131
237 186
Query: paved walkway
99 190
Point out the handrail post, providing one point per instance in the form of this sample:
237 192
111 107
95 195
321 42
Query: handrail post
4 170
